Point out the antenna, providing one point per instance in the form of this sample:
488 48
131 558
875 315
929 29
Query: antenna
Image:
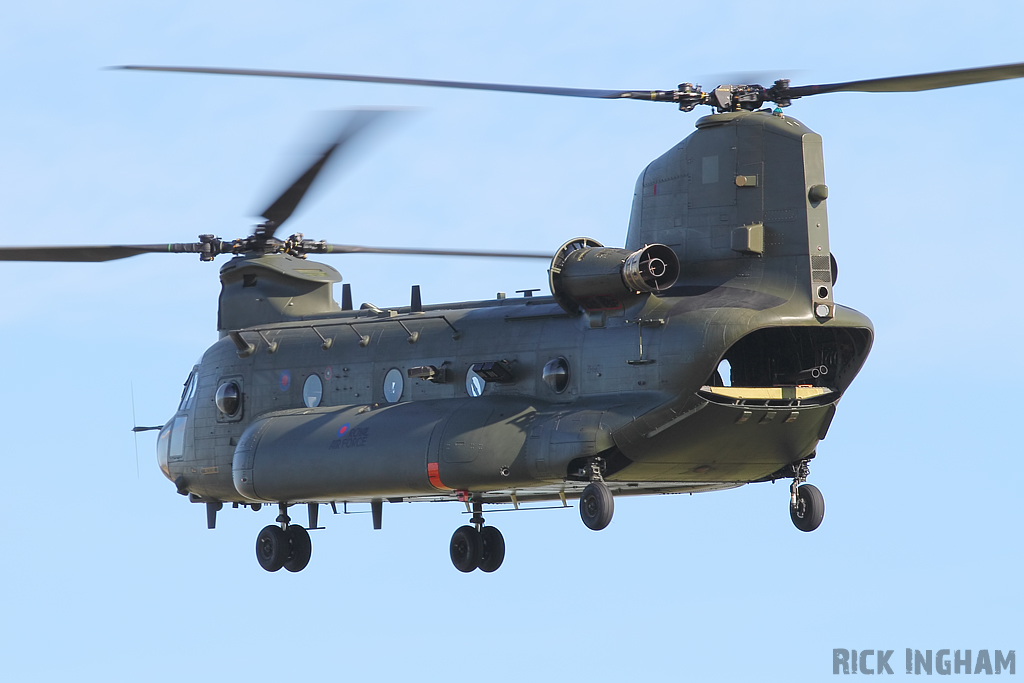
346 297
415 302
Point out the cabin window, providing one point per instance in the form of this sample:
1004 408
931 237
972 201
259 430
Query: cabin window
228 399
313 391
394 384
177 447
556 374
189 392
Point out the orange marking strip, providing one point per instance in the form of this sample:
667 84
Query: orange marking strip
435 477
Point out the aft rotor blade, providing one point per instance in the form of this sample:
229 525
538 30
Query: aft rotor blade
93 254
916 83
283 207
324 248
464 85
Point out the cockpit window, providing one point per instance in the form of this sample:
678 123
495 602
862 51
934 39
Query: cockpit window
189 391
177 445
163 449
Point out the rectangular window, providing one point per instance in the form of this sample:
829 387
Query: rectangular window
190 389
178 438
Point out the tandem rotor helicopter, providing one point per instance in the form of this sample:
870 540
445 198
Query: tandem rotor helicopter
608 387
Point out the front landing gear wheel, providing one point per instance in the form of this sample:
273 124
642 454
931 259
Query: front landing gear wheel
492 549
272 548
809 509
299 548
596 506
465 549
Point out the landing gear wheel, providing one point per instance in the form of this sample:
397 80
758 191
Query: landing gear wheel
492 549
596 506
299 548
809 509
465 549
271 548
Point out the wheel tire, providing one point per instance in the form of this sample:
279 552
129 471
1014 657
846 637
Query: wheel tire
810 508
492 549
465 549
300 548
271 548
596 506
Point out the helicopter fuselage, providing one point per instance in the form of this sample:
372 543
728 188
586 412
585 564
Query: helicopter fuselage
535 397
389 409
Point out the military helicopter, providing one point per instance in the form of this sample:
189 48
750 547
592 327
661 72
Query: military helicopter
707 353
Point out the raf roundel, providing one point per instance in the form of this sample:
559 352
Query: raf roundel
285 380
343 429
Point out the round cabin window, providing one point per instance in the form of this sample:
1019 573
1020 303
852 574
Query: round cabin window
228 398
312 391
394 383
556 374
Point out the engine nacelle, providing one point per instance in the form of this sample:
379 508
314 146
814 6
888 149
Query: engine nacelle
586 275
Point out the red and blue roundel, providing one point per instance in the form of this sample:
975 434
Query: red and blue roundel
343 429
285 380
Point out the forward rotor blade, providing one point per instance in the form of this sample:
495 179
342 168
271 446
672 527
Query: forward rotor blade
912 83
323 248
917 82
93 254
501 87
283 207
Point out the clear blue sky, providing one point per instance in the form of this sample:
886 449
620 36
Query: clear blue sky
110 575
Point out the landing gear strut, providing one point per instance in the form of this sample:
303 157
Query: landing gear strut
806 504
476 546
286 546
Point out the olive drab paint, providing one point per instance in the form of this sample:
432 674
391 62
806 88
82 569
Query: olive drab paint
611 386
731 201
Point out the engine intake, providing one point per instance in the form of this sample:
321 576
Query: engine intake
585 275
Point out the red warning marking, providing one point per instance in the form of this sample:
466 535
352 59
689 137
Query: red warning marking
435 478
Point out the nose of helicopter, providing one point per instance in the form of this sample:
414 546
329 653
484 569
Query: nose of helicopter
162 448
170 444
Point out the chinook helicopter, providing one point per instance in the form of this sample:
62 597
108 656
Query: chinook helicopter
613 385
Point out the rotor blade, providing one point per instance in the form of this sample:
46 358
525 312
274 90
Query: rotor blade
916 83
323 248
95 253
528 89
913 83
283 207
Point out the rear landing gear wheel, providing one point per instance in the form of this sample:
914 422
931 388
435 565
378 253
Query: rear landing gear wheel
299 548
465 549
809 509
492 549
596 506
272 548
